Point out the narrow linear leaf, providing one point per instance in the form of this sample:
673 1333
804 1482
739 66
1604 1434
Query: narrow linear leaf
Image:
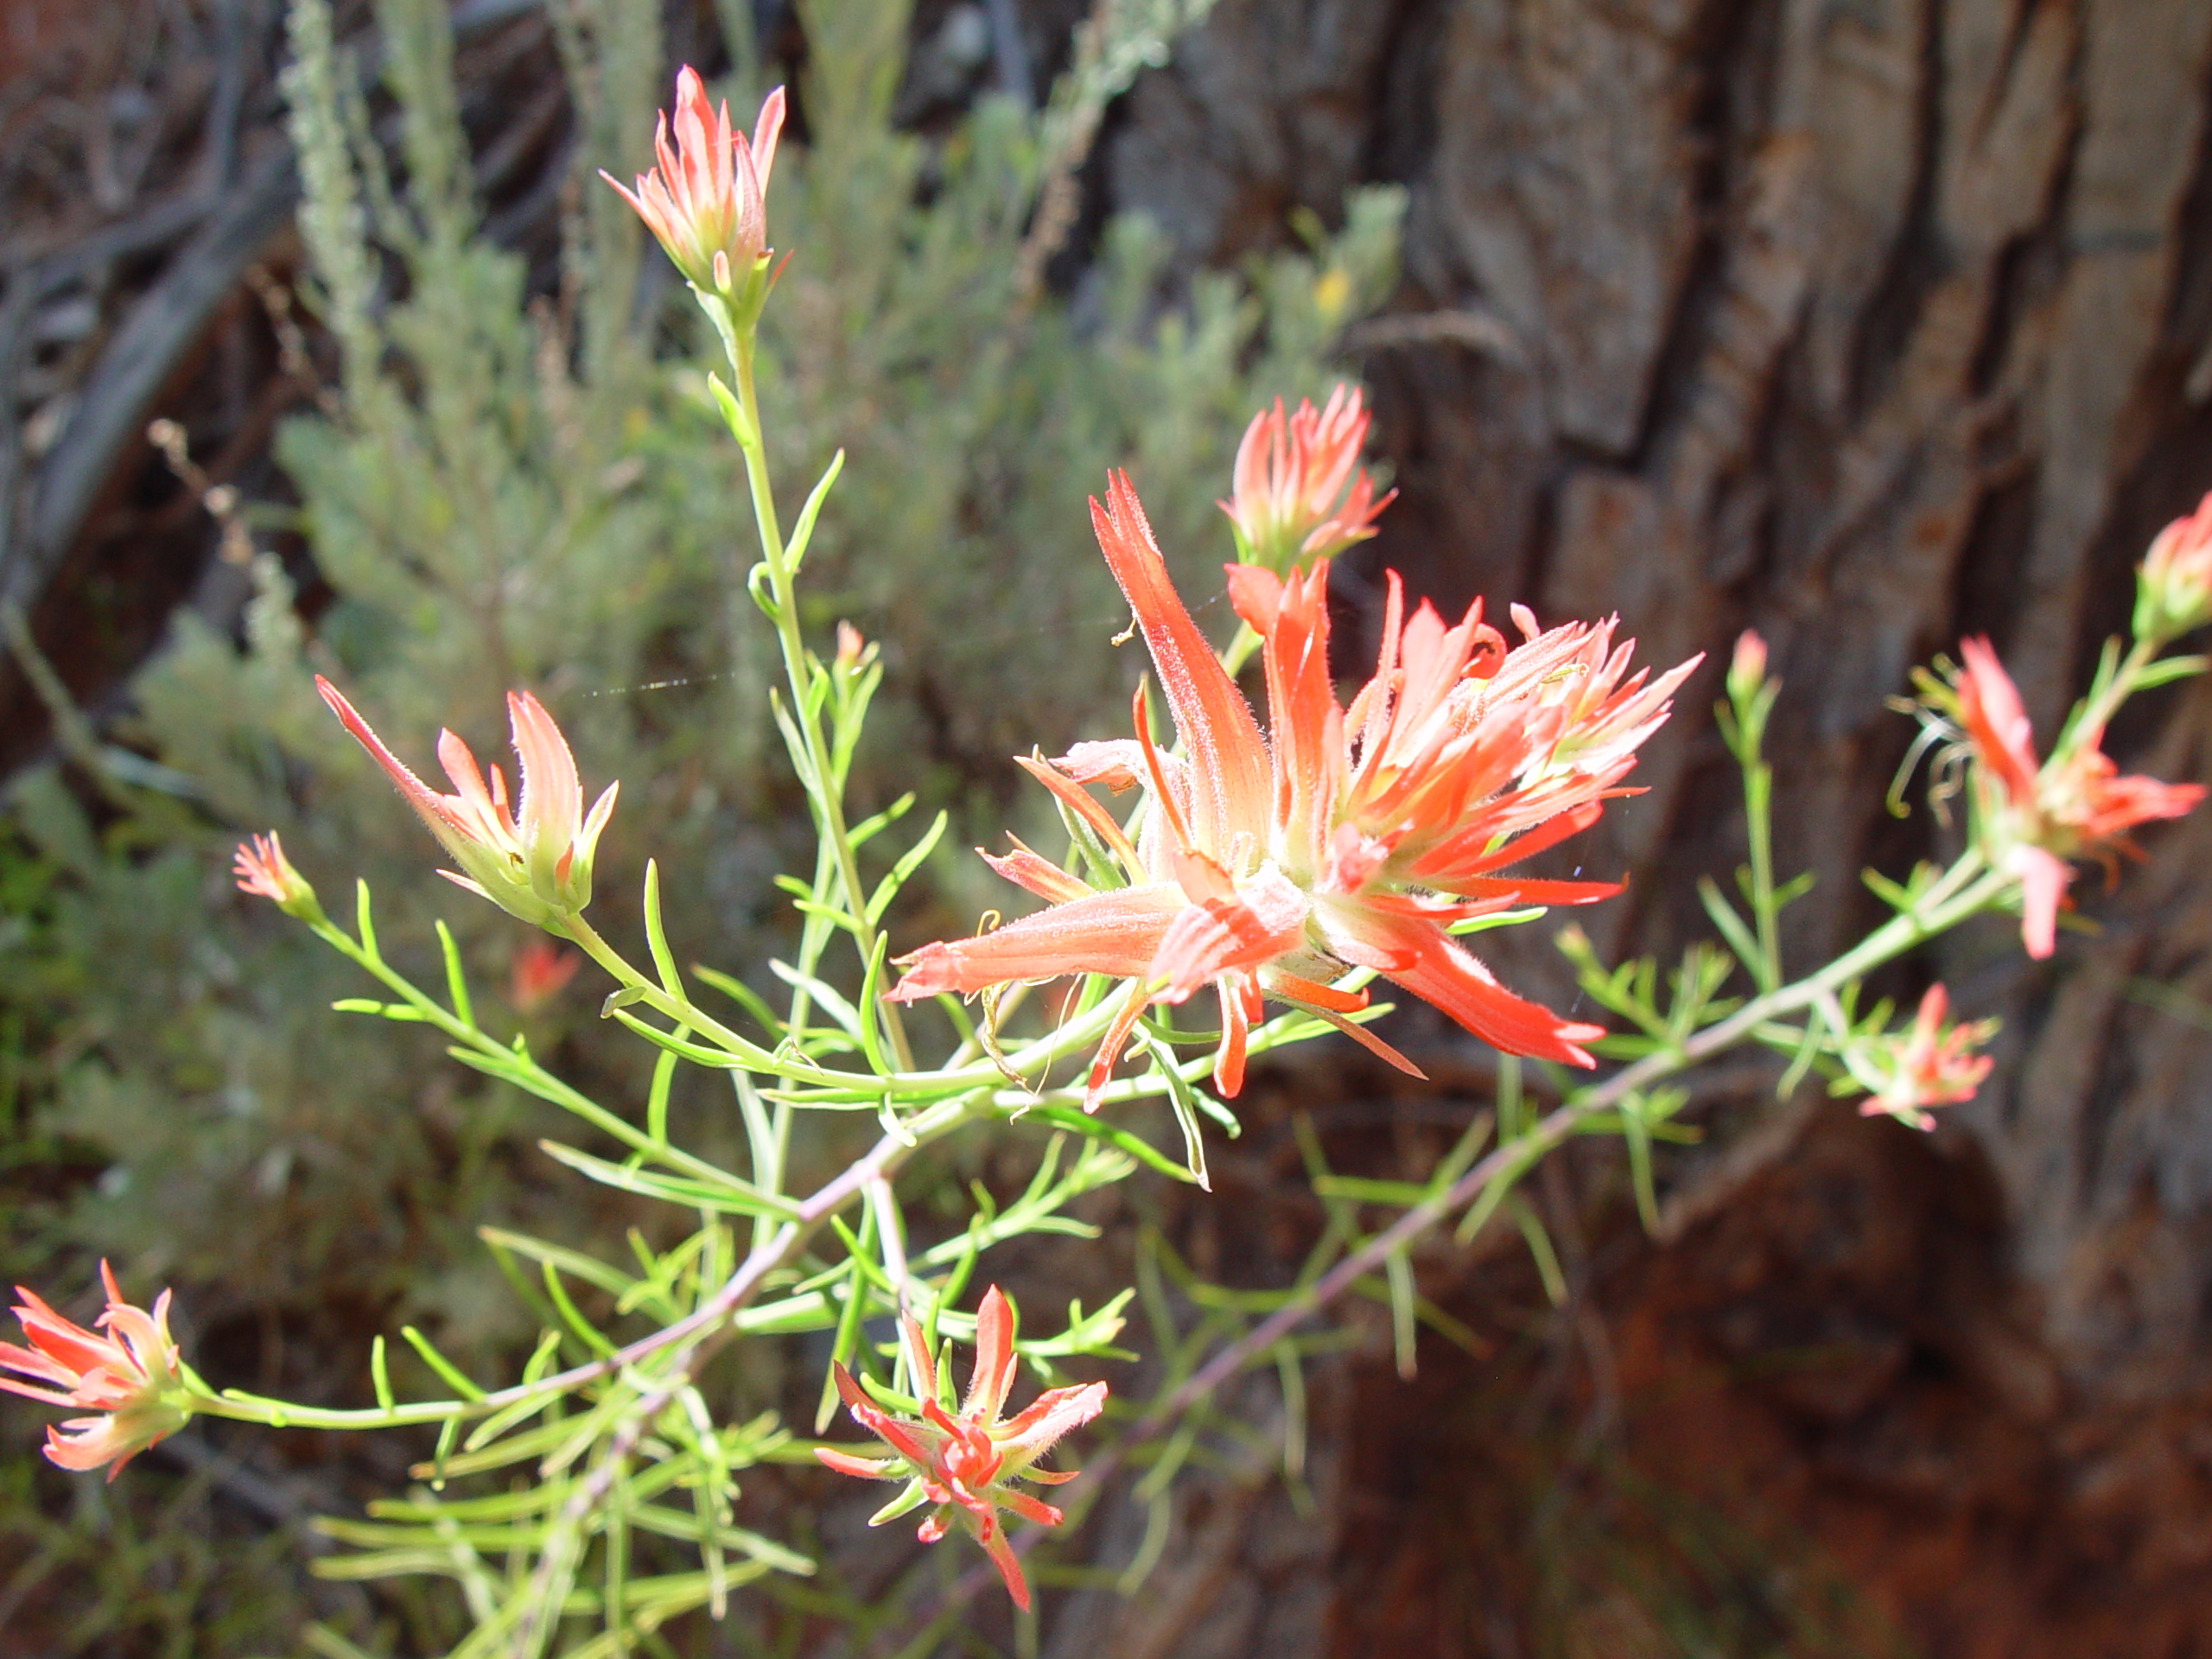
437 1362
456 981
729 1196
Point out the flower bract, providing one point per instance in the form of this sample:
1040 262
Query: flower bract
128 1372
964 1463
533 860
2173 591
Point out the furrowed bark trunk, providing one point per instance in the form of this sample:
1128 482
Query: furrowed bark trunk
1871 326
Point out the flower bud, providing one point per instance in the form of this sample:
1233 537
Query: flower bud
1747 667
1291 470
707 201
263 869
2173 587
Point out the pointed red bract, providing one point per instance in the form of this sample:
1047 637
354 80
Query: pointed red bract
1351 835
964 1466
1228 757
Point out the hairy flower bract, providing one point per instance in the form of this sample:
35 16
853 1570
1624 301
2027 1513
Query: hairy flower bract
1288 499
262 869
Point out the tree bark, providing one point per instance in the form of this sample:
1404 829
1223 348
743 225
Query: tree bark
1871 325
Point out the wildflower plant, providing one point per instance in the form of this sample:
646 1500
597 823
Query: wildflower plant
1348 841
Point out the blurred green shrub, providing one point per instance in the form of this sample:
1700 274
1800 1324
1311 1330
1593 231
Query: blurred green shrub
508 489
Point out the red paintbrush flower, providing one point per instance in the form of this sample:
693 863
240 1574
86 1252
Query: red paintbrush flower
963 1462
1359 839
1290 471
1934 1064
131 1375
534 860
2033 817
707 201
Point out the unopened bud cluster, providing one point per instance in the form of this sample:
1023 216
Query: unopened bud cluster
2173 589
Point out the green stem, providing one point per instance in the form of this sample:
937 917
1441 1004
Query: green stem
465 1034
828 799
1239 650
704 1330
1759 799
708 1326
840 1085
1962 891
2102 704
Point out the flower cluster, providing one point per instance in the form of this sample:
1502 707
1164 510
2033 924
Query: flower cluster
1932 1064
534 860
2173 589
131 1375
964 1463
1288 501
707 201
2033 816
1358 837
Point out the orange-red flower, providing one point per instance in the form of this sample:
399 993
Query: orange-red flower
2173 591
1934 1064
707 201
964 1463
534 860
1289 501
2035 817
539 972
131 1375
1359 838
262 869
